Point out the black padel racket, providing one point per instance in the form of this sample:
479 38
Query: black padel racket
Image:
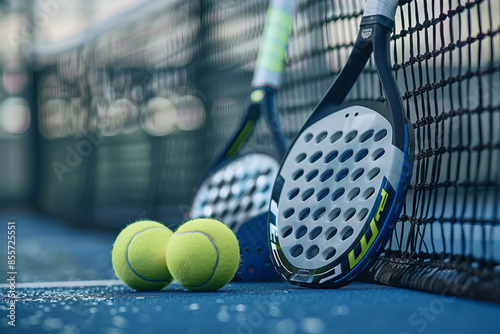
343 181
237 187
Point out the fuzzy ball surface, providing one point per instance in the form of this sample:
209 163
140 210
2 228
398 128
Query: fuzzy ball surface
203 254
138 256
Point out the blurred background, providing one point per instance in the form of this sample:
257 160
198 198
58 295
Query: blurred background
101 117
111 110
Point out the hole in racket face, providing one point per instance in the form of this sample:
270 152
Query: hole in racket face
312 175
337 194
312 251
296 250
366 135
341 172
330 233
300 157
315 157
307 194
332 155
288 213
321 137
361 155
319 213
239 191
334 214
323 193
301 231
286 231
326 175
298 173
346 156
293 193
350 136
329 253
315 232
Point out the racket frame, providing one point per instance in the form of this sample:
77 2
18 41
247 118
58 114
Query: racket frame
373 38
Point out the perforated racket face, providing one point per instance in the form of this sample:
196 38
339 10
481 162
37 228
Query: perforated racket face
331 180
237 192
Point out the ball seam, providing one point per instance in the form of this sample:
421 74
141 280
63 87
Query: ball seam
128 262
216 261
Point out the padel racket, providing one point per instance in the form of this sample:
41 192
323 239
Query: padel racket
237 188
343 181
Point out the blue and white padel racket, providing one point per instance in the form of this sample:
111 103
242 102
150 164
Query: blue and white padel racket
237 187
342 184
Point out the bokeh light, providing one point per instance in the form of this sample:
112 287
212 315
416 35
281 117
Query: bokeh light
121 116
190 113
53 118
15 82
15 116
159 117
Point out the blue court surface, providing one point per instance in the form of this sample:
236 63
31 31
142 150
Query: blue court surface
65 284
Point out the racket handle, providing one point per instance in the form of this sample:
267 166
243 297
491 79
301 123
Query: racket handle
274 43
385 8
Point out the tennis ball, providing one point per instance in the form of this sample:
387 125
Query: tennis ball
138 256
203 254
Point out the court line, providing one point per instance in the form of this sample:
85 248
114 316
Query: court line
64 284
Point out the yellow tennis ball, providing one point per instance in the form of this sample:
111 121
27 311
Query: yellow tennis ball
138 256
203 254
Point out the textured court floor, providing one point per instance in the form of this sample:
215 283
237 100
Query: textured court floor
65 284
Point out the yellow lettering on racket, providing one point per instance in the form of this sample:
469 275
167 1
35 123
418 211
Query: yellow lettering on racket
365 246
247 129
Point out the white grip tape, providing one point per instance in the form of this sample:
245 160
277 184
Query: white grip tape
386 8
264 77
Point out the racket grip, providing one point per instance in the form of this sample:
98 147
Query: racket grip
274 43
385 8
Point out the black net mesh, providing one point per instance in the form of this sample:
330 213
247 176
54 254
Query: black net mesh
445 57
162 95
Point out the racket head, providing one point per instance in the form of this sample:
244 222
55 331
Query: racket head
337 196
238 191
